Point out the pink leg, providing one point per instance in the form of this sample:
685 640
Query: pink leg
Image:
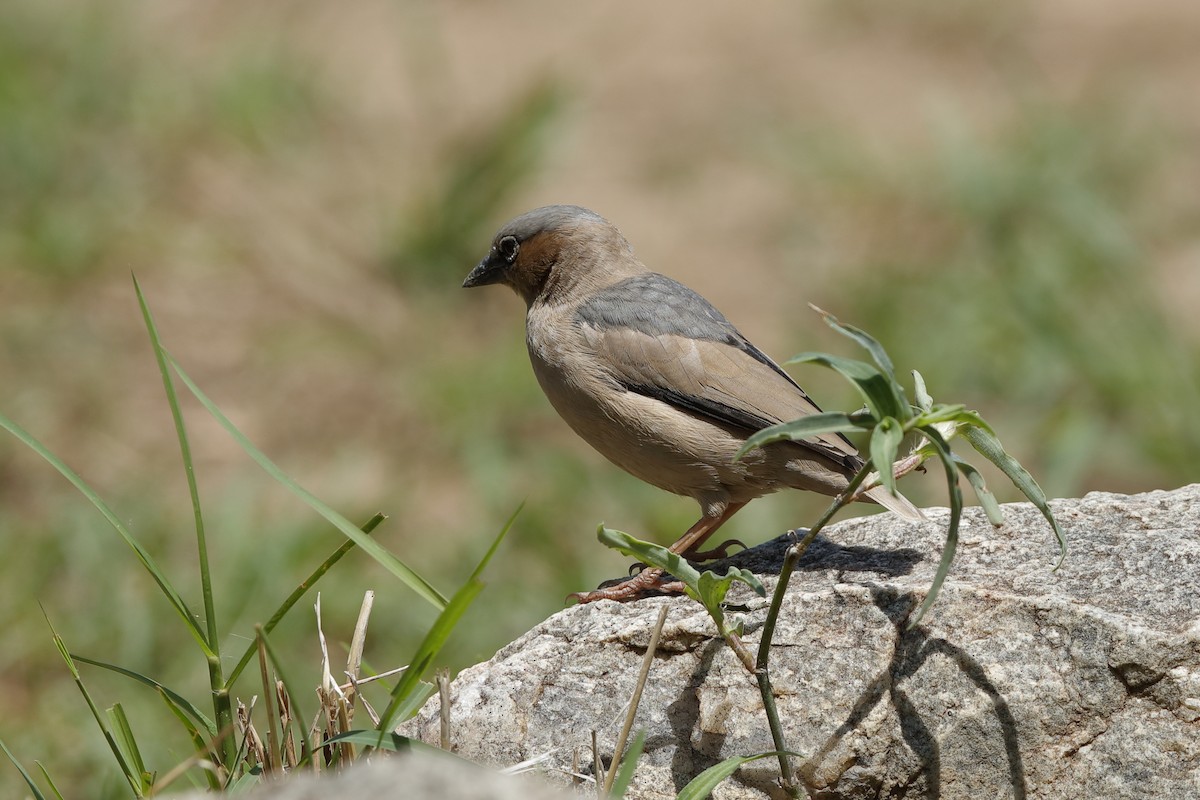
651 577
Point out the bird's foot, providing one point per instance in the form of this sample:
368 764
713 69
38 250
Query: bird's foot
697 556
716 553
650 582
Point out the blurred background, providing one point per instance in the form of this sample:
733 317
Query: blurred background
1004 194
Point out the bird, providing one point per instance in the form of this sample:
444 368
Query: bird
655 378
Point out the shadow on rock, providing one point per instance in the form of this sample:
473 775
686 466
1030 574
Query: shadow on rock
913 648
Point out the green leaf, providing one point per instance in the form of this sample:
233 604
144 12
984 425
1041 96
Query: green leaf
128 744
143 556
416 698
185 451
990 448
649 553
956 507
169 694
712 587
799 429
868 342
883 395
134 779
430 646
986 498
390 741
947 413
377 551
952 413
708 588
924 401
628 766
199 743
396 743
301 589
42 769
885 444
436 638
245 782
703 784
33 787
487 557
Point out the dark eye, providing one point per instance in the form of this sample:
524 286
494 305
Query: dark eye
508 247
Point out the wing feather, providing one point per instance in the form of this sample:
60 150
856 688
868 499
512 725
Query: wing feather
734 385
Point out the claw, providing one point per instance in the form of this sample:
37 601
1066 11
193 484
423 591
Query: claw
647 583
718 552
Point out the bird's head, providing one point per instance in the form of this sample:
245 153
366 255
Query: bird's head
552 250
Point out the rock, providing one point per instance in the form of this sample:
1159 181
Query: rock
412 776
1020 682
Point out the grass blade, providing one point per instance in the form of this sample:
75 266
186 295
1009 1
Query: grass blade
949 413
956 507
199 744
128 744
487 557
222 707
167 693
393 742
628 766
803 428
298 593
416 698
50 781
430 646
703 784
173 597
443 626
990 448
33 787
377 551
133 779
185 451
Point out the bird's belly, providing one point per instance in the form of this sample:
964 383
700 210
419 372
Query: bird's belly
652 440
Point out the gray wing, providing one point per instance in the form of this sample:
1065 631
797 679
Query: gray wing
665 341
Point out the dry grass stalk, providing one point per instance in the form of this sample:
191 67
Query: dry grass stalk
443 684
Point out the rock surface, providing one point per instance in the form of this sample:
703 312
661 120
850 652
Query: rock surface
412 776
1020 682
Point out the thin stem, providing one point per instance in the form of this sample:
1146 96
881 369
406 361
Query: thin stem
793 556
647 661
790 784
899 469
739 649
222 706
762 672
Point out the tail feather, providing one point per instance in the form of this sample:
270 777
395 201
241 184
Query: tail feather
897 504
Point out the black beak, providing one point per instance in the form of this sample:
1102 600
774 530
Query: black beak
490 270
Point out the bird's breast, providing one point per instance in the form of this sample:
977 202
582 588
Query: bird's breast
652 440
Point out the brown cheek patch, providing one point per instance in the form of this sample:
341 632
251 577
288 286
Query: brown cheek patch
537 255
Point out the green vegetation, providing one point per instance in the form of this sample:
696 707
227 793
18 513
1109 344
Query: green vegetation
888 417
301 197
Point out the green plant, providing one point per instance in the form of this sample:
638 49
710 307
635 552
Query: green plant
225 760
1047 239
888 417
